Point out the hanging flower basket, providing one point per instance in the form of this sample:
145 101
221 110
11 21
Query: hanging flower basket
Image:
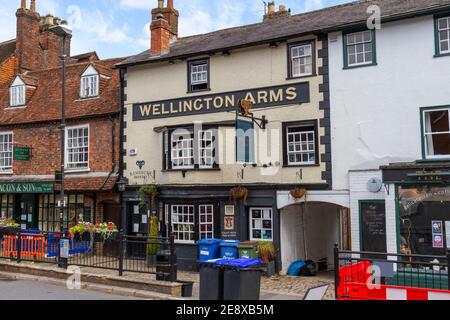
239 193
297 193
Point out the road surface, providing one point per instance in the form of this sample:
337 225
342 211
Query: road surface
31 290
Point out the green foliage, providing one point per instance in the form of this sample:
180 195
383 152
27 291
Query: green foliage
153 245
266 251
148 192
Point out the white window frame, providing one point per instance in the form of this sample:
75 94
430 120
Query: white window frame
17 93
66 157
439 30
186 146
89 86
189 224
261 220
209 211
206 136
300 142
297 59
7 169
199 73
355 44
425 135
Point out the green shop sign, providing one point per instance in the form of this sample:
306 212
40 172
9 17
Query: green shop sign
26 187
22 153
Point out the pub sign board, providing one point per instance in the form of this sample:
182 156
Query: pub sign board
223 102
26 187
22 153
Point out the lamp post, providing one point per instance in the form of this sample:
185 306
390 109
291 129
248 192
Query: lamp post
122 185
63 31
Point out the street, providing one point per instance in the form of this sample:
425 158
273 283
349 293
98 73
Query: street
30 290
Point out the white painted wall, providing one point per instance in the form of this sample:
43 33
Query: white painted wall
375 110
315 226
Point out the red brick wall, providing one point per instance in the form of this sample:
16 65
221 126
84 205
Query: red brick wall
44 139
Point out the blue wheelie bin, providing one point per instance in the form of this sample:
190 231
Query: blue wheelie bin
208 249
229 249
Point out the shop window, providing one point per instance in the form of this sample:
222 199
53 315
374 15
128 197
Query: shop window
359 49
300 143
436 133
17 93
206 225
198 75
49 212
189 150
77 148
261 224
89 83
424 219
6 152
442 35
301 60
183 223
7 206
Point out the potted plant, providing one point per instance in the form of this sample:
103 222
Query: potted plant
153 245
297 193
106 231
239 193
82 231
268 254
8 227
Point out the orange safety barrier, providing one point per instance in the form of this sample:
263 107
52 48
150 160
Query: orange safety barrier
31 246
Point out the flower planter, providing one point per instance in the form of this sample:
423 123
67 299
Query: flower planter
8 231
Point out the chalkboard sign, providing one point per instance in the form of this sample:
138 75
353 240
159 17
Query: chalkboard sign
373 226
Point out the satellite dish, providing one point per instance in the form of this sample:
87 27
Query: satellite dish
374 185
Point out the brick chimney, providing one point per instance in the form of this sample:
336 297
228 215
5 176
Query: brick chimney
37 47
272 14
164 27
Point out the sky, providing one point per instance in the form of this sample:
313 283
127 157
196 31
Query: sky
119 28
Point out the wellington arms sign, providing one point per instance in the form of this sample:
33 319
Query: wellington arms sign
263 97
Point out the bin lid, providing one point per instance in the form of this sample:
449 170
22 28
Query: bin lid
209 241
229 243
246 246
241 263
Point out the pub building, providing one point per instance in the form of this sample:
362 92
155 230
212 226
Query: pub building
183 134
30 134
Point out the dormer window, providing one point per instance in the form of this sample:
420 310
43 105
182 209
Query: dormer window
17 93
89 83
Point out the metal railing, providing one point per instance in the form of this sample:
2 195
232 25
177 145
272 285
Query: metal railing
152 255
386 269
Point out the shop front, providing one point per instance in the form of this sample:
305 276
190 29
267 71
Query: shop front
422 195
192 214
34 205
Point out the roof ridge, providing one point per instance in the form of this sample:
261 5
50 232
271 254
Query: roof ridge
276 20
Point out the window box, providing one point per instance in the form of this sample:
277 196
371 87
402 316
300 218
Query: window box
359 49
435 123
300 144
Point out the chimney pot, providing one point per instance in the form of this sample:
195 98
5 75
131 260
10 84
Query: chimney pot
170 4
160 4
271 7
23 4
33 6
